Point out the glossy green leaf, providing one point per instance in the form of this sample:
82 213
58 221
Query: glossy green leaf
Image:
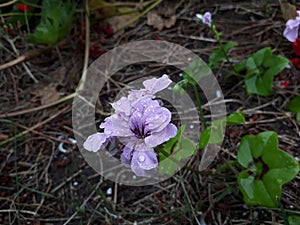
267 168
56 22
235 118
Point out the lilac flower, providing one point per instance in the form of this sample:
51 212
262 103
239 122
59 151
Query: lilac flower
141 124
205 19
292 27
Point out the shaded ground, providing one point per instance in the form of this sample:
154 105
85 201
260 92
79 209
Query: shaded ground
39 184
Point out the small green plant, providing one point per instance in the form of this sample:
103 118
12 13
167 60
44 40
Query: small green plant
267 168
56 22
294 106
259 70
220 54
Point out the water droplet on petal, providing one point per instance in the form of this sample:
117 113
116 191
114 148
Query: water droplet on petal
142 158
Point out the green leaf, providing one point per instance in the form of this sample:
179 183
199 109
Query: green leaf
219 54
294 220
175 150
212 134
267 168
235 118
56 22
294 104
259 70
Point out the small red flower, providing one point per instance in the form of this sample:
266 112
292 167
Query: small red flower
22 7
296 46
296 62
284 83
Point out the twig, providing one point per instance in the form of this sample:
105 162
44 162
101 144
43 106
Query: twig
34 53
84 203
8 3
38 108
33 127
87 47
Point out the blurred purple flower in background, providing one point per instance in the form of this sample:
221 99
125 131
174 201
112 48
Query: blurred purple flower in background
205 19
292 28
141 124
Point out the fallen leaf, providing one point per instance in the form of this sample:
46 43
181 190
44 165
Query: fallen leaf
288 11
118 23
170 22
155 20
47 94
158 22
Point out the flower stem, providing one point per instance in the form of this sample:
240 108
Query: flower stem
199 105
218 37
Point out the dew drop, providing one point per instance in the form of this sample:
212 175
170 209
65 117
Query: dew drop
142 158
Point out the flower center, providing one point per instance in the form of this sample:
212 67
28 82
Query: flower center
139 130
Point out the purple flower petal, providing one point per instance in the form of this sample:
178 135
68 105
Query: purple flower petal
94 142
207 18
119 126
122 106
164 135
126 156
158 119
155 85
291 30
144 160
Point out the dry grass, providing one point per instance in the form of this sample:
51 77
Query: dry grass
41 184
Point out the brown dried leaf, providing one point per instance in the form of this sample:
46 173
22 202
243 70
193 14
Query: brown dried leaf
155 20
118 23
170 22
288 11
47 94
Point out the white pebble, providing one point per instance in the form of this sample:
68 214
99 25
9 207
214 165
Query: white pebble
75 183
